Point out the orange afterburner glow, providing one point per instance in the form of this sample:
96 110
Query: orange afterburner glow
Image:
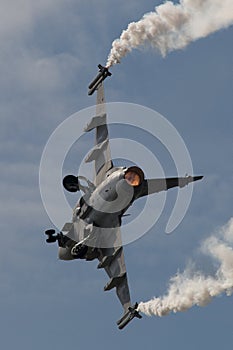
134 176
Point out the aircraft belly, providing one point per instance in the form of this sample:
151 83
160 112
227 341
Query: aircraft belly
100 231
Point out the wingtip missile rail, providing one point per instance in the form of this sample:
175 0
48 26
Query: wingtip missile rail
101 76
129 316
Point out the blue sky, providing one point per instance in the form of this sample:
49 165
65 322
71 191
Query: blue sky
49 53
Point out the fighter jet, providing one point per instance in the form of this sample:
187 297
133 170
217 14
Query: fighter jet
94 232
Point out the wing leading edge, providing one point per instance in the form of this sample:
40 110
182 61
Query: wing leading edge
150 186
100 154
112 260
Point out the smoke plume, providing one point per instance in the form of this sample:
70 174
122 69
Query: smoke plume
173 26
194 288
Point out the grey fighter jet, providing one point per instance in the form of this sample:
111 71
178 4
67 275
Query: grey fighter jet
94 232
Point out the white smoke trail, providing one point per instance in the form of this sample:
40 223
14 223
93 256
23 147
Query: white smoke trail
173 26
190 288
